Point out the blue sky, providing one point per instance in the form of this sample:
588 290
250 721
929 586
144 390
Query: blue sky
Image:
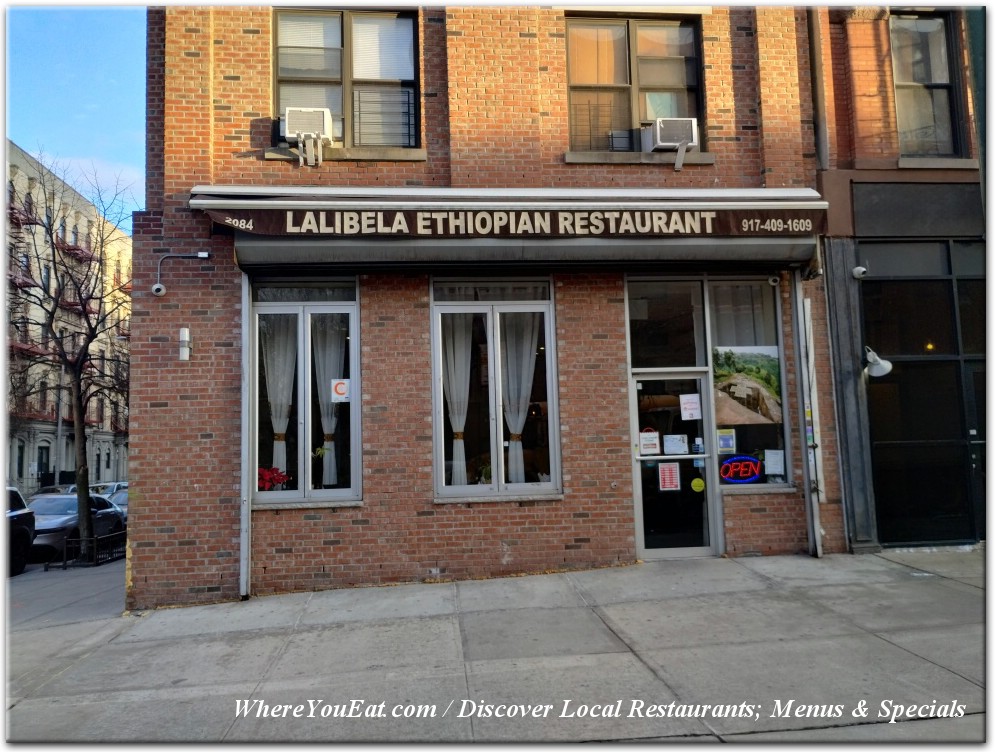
76 89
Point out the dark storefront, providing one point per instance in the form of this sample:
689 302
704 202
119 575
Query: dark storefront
913 279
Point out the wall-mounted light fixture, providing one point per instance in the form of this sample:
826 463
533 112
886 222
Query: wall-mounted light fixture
876 366
185 344
159 289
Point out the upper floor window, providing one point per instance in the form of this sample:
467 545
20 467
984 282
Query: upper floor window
360 66
624 74
22 330
925 99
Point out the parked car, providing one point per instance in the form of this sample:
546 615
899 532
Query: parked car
120 498
21 529
57 518
65 488
108 488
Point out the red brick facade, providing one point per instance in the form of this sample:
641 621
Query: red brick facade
493 114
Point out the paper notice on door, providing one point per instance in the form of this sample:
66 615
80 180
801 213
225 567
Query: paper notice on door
690 407
727 440
675 443
649 441
774 461
670 476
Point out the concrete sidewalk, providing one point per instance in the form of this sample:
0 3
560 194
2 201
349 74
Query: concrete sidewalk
776 649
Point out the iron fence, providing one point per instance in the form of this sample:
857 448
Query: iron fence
92 552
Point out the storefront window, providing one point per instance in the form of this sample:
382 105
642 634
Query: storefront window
897 322
746 367
495 408
666 324
667 332
307 416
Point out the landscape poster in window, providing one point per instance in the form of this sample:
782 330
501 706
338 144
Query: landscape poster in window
747 385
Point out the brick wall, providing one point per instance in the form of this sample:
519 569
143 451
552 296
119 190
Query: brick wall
777 522
874 120
494 114
494 103
786 123
399 533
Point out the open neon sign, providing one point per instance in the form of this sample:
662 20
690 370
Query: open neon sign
741 469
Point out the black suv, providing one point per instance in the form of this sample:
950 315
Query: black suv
21 526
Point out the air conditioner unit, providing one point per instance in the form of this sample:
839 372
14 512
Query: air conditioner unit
310 128
668 134
307 120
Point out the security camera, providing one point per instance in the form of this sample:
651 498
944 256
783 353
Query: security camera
859 272
158 289
773 281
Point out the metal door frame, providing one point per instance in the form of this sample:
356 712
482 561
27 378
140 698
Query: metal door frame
713 494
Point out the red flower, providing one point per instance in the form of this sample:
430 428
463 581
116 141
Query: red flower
270 477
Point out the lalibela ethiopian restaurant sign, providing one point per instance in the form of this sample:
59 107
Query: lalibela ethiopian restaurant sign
524 223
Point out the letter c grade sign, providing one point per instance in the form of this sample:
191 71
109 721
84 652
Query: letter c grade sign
340 390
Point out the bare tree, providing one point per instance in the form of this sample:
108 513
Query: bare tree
70 301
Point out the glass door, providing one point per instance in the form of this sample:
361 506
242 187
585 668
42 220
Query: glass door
674 463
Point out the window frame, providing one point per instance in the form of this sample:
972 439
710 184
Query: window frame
346 80
304 495
953 86
496 491
633 86
705 367
790 462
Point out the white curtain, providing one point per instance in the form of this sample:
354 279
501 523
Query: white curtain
278 340
328 338
519 337
457 336
743 314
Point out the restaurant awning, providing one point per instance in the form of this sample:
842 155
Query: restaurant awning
425 227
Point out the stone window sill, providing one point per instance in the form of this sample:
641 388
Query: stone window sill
759 488
324 504
937 163
498 499
329 154
637 157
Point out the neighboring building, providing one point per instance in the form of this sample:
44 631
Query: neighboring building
55 233
540 290
905 196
